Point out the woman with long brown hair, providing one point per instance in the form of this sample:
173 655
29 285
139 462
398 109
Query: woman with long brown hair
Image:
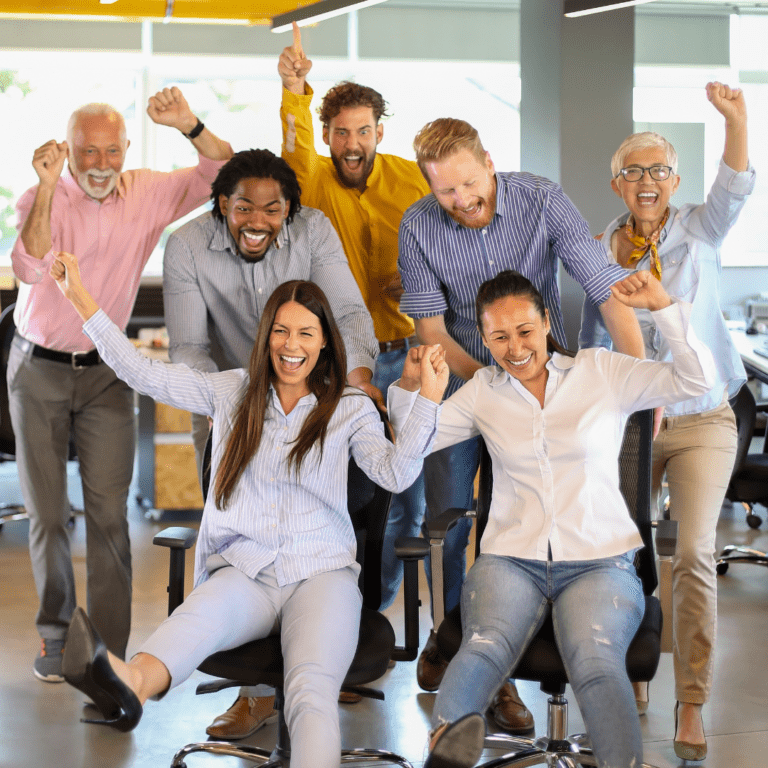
276 548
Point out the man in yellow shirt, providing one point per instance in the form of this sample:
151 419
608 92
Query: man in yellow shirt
364 194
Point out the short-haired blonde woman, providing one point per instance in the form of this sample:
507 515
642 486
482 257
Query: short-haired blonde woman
696 442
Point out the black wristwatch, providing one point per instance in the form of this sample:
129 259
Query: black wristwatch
196 131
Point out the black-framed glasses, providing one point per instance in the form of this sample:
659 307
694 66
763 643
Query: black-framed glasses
636 172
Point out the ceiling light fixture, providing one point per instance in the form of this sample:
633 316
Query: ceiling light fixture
311 14
574 8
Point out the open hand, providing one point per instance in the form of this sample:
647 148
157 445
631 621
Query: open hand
293 65
641 290
729 102
48 161
169 107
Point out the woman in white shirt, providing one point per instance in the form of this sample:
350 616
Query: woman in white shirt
276 550
559 536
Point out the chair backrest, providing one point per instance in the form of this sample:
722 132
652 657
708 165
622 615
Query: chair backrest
7 329
745 410
368 505
635 482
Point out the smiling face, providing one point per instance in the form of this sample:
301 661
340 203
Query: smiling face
647 200
465 187
516 335
295 342
255 212
97 153
353 136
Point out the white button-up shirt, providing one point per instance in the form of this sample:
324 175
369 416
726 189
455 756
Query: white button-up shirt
555 469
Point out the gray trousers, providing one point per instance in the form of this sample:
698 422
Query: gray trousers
318 620
47 400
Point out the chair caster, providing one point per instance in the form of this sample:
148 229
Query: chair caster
721 568
753 521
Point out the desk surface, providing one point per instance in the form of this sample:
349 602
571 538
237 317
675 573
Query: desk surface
756 365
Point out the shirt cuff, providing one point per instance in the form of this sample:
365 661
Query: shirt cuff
95 325
27 266
598 288
423 304
298 101
736 182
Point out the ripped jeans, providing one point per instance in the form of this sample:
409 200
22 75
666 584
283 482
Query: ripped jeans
596 605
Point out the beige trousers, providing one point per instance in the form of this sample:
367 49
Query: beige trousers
697 452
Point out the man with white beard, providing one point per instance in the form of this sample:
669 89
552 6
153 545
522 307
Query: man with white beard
56 381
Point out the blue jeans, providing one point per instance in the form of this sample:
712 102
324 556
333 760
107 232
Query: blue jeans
449 477
407 509
596 605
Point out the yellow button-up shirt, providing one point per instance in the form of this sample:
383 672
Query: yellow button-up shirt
367 222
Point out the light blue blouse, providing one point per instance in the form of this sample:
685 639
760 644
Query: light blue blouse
689 250
302 525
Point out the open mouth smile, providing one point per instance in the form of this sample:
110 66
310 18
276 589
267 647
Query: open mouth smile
291 363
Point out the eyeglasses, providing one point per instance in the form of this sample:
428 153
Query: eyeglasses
635 172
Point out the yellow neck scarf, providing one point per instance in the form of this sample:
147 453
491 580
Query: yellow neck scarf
645 245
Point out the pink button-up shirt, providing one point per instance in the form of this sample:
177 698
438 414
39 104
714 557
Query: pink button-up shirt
112 240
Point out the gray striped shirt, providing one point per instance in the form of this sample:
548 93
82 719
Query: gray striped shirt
214 299
443 263
301 525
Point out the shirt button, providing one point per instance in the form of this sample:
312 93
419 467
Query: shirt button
261 290
273 506
274 525
271 479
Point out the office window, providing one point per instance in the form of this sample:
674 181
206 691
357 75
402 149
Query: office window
238 97
670 98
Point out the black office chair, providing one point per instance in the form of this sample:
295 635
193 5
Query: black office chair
541 662
749 481
9 512
261 661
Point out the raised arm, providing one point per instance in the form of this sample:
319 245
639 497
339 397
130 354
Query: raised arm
293 66
729 102
169 107
432 330
622 325
176 385
48 162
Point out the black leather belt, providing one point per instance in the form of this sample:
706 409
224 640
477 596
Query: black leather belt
75 359
389 346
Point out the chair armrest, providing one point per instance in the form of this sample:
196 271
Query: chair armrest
178 540
439 526
410 549
666 537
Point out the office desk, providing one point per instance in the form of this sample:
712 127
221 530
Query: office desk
756 365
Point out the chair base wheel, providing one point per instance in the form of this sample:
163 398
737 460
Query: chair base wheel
753 521
721 568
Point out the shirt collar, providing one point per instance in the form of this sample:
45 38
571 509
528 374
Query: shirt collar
77 194
309 400
557 362
621 221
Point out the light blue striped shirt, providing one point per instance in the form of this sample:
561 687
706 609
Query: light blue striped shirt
302 526
214 299
443 263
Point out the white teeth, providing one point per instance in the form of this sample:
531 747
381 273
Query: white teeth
521 362
255 238
291 359
648 194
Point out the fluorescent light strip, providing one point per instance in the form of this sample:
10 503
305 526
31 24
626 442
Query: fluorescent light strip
598 8
311 14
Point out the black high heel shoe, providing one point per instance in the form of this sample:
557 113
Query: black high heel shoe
460 744
86 667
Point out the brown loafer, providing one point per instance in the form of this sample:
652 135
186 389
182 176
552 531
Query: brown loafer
509 712
349 697
431 665
243 718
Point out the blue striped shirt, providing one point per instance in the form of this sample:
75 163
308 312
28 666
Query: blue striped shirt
443 263
301 525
